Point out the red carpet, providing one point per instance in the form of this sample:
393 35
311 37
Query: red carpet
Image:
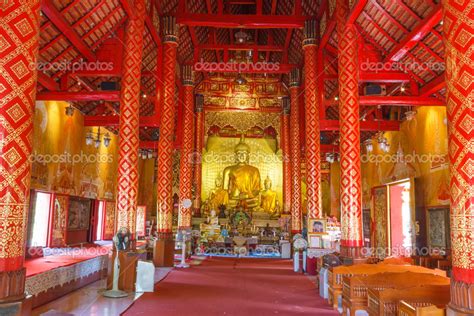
229 286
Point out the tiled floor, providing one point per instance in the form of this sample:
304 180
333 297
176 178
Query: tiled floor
89 301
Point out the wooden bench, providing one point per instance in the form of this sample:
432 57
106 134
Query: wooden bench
354 288
385 302
336 274
405 309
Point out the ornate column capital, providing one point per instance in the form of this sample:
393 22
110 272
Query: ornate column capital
170 29
187 74
286 105
199 104
295 78
310 33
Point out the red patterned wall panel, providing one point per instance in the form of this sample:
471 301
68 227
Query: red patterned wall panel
199 141
109 225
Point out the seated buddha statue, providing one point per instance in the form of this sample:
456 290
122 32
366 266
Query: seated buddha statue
218 196
242 181
268 199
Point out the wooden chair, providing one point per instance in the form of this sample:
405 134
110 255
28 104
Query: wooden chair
385 302
405 309
336 274
354 289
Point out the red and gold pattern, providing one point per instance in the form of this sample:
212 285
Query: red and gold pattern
296 215
351 188
18 56
458 28
127 178
186 163
312 132
109 227
199 141
285 148
166 142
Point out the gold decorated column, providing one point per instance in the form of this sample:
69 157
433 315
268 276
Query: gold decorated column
186 162
285 148
19 52
458 28
296 214
197 156
351 183
166 141
312 131
127 177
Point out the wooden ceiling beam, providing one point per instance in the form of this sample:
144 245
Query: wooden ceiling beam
49 9
416 35
250 21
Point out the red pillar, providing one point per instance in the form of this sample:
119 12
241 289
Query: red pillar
285 148
351 188
199 143
166 141
312 132
186 163
296 215
458 20
127 177
20 25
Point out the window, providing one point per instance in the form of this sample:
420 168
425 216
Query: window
39 221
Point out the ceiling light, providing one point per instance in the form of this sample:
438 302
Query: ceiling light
89 139
241 37
336 98
69 110
410 115
107 140
240 79
368 145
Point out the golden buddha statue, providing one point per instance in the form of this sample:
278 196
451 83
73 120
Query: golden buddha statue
242 181
268 200
218 196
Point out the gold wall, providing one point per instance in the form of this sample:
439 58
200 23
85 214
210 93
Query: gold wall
63 163
422 145
219 153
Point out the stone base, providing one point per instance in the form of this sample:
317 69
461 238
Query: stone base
17 308
163 252
462 299
352 255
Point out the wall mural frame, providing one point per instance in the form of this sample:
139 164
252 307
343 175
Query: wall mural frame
59 215
381 220
438 227
109 221
79 213
141 221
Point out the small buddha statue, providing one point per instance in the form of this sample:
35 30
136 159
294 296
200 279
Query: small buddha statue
211 225
268 197
218 196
